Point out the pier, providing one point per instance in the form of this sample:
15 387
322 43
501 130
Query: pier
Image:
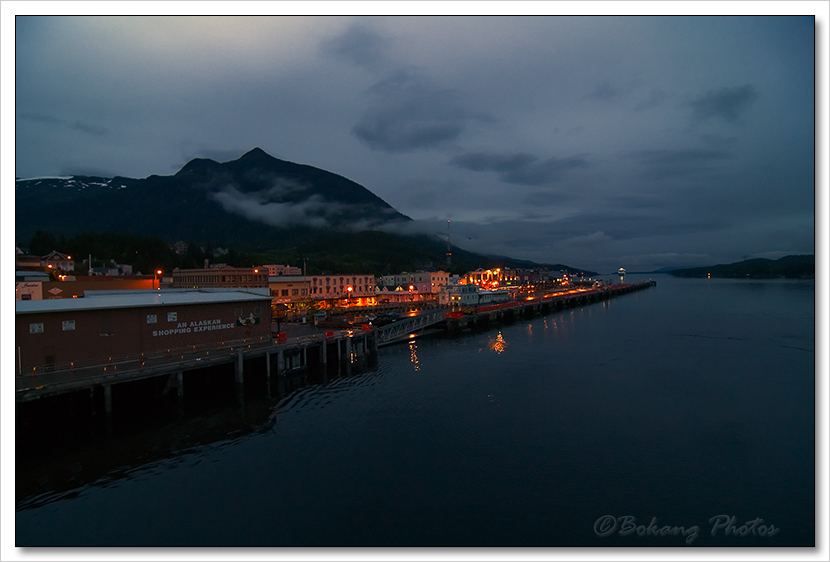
329 352
543 304
340 352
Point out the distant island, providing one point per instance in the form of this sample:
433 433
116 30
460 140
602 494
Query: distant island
790 267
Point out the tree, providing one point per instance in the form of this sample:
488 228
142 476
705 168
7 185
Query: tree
42 243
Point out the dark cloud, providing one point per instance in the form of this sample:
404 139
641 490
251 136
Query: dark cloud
727 103
40 118
89 128
605 92
503 163
663 163
520 168
656 98
358 45
720 141
410 113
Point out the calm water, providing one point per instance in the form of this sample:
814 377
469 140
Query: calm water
683 402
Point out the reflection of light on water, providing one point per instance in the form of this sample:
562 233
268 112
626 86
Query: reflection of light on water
530 329
498 344
413 355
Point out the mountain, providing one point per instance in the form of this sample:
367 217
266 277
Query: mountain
802 266
256 203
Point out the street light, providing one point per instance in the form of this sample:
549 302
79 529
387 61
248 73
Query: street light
350 289
156 285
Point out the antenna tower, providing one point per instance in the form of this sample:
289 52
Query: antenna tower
449 248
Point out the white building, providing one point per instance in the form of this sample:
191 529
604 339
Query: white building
493 297
458 295
423 282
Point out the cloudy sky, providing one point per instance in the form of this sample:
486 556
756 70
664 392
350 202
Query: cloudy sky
598 142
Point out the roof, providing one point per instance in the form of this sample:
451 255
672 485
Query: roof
288 278
38 274
102 300
55 255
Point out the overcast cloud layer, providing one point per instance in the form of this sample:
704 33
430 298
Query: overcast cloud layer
599 142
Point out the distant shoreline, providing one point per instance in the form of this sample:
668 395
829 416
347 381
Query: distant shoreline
788 267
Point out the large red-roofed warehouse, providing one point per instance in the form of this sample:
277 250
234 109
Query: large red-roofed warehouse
112 324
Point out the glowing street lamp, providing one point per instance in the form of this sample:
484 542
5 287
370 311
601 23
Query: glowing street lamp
350 289
156 284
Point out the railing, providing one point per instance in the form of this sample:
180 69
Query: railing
229 346
72 371
406 326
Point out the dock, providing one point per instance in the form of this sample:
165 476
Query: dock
544 304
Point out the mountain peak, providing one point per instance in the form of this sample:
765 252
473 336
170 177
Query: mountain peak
256 153
198 165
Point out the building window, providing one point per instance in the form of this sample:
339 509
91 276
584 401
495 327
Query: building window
238 312
172 317
285 292
152 318
258 310
36 328
68 325
295 292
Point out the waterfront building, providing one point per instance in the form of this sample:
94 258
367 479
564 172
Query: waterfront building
276 270
493 296
55 261
219 276
29 285
460 295
58 261
288 289
403 294
35 285
360 289
113 324
487 278
424 282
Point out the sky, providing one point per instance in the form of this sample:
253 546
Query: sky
597 142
